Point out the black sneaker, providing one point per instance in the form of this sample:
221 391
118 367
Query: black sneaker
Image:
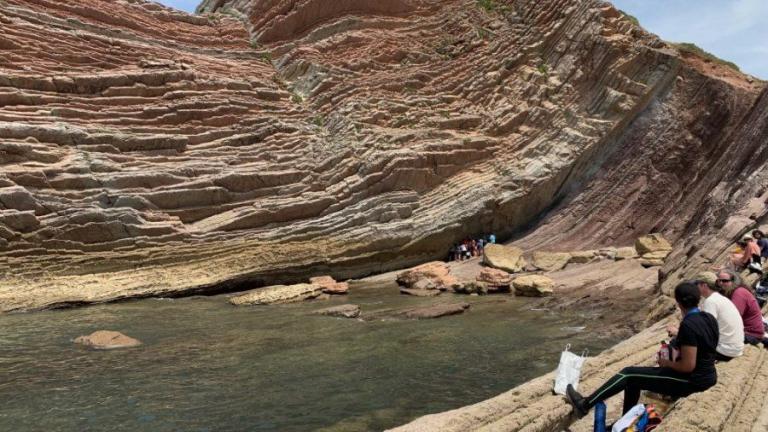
578 401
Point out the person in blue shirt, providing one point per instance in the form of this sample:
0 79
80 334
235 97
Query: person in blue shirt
492 239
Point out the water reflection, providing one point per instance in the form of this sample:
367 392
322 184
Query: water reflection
207 366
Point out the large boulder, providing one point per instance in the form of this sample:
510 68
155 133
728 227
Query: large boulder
329 285
583 257
495 280
652 243
343 311
626 253
533 286
653 259
105 339
437 311
550 261
278 294
507 258
430 276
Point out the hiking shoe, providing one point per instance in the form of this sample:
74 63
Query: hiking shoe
578 401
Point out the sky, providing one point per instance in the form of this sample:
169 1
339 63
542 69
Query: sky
734 30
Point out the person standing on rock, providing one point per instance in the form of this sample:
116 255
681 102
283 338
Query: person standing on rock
492 239
731 327
746 305
693 371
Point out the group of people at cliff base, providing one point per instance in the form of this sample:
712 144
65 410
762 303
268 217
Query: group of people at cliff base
470 247
719 316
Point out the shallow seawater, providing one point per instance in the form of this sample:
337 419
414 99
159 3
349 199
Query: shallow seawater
208 366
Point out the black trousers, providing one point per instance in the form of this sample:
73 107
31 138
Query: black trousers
633 379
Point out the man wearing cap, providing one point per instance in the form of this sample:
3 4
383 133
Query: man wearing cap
729 322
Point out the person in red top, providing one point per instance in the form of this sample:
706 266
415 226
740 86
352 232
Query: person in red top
746 304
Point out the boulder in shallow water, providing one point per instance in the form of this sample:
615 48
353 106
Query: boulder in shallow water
550 261
105 339
277 294
430 276
533 286
507 258
343 311
329 285
652 243
471 287
495 280
437 311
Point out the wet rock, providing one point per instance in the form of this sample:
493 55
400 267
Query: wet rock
278 294
420 292
507 258
437 311
329 285
652 243
343 311
471 287
533 286
429 276
583 257
550 261
106 339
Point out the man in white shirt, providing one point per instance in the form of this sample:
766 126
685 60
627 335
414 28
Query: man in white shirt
731 342
731 338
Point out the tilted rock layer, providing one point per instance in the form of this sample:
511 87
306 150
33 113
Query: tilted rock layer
144 151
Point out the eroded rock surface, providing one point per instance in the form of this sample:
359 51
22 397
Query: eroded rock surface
505 258
342 311
533 286
436 311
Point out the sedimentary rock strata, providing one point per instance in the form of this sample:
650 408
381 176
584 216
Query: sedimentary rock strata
149 152
278 294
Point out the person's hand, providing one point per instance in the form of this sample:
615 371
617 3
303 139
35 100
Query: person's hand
672 330
664 363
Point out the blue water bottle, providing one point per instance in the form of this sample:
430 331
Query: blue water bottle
600 417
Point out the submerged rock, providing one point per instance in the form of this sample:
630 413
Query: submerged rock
507 258
278 294
343 311
106 339
437 311
420 292
550 261
471 287
533 286
329 285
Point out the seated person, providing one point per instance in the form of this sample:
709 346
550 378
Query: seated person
693 371
762 243
731 327
746 304
750 254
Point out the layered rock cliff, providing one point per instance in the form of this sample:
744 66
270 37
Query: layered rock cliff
150 152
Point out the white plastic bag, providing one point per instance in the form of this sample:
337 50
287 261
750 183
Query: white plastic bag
626 421
569 370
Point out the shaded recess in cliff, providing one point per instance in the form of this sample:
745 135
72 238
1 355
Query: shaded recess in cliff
149 152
